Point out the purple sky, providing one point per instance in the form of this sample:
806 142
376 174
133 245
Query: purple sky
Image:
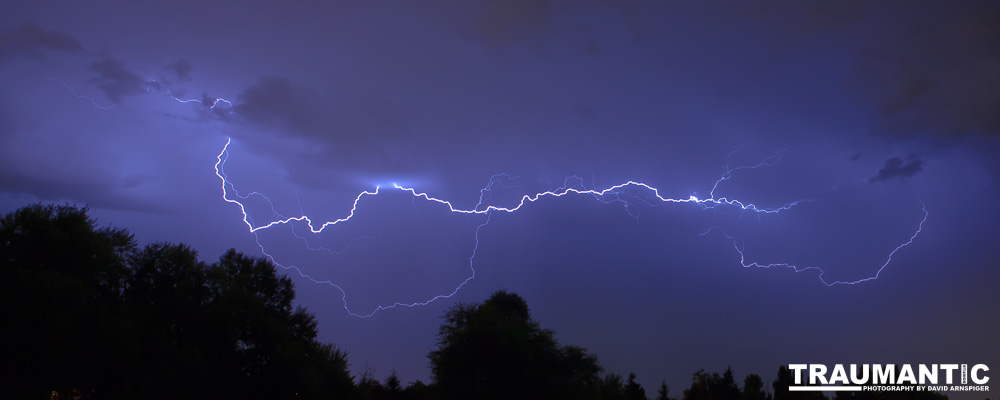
880 106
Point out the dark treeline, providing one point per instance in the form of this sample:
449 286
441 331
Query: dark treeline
87 313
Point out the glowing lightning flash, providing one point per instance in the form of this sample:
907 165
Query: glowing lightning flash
206 101
608 195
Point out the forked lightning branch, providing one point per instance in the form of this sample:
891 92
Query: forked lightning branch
613 194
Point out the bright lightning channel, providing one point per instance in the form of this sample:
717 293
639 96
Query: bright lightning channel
206 101
610 194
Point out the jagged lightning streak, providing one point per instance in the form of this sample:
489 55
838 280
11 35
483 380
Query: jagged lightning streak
79 96
206 101
796 268
220 172
610 194
525 199
607 195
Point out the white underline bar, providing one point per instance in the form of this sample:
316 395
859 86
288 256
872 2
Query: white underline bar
824 388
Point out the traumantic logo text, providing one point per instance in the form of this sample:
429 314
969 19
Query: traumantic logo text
890 377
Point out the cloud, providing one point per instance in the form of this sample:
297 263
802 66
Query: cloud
794 23
898 168
31 41
504 22
936 72
116 193
116 81
182 68
353 127
277 103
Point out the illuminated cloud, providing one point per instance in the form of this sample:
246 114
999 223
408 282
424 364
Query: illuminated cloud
898 168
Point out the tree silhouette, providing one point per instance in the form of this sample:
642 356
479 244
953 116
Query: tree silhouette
59 300
612 387
417 390
753 388
495 350
88 314
392 384
663 393
785 380
634 391
726 387
706 386
97 317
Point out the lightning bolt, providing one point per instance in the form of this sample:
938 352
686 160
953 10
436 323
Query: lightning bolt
572 186
206 101
75 94
620 193
796 268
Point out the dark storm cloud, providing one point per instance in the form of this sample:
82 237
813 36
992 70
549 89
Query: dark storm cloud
182 68
277 103
650 90
898 168
354 127
31 41
937 72
99 192
504 22
116 81
790 22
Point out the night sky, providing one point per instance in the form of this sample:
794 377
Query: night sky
874 111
